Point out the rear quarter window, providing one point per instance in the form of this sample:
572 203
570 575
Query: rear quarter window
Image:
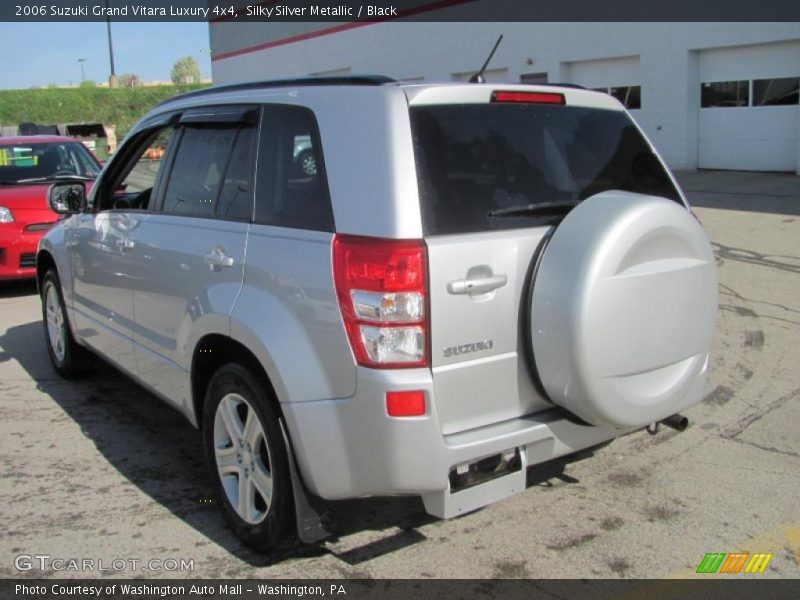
476 158
292 188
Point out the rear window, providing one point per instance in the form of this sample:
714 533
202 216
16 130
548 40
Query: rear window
476 158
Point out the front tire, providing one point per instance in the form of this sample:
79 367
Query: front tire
68 358
247 458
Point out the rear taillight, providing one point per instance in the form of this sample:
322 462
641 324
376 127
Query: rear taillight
528 98
382 290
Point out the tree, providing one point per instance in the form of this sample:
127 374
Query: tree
129 80
185 70
88 83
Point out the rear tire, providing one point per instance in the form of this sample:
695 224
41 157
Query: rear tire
247 458
68 358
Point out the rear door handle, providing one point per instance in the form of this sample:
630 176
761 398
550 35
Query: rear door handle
481 285
216 259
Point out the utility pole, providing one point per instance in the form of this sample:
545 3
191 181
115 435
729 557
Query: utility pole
83 77
112 80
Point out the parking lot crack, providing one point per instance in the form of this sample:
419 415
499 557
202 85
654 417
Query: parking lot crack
726 290
734 431
766 448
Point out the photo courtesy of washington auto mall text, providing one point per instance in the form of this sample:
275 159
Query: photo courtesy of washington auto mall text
140 590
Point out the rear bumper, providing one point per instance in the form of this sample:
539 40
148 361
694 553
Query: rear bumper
350 447
18 254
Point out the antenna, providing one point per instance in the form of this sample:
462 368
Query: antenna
478 77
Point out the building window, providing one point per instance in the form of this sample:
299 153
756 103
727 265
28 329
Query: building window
776 92
629 95
719 94
533 78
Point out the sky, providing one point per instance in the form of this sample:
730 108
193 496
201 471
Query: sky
38 54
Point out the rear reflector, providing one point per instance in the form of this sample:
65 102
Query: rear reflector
405 404
528 98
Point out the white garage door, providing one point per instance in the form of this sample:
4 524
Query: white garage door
489 75
749 113
605 72
619 77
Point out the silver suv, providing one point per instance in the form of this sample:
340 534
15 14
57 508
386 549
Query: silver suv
472 279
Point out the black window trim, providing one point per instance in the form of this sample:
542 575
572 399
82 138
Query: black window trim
221 114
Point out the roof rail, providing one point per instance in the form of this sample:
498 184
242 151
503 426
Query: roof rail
300 81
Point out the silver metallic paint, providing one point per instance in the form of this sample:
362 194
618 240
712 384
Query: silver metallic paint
284 311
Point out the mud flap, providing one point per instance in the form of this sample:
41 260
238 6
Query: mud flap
309 510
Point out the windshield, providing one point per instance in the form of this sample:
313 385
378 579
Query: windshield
45 160
473 159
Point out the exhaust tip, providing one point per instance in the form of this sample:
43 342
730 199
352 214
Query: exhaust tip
677 422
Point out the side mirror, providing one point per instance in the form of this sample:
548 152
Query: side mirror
66 198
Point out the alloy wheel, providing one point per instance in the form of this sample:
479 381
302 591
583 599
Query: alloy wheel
242 458
56 332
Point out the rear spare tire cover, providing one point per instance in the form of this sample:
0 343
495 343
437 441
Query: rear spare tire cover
622 310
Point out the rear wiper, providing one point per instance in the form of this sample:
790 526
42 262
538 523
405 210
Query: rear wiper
545 208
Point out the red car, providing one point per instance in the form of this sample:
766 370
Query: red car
28 166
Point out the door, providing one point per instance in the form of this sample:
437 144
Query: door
749 117
100 248
191 250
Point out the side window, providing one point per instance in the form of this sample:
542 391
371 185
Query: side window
143 175
236 196
133 186
197 172
292 187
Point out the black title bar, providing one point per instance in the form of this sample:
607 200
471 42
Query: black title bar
345 11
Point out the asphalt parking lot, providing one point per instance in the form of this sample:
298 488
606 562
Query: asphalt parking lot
100 469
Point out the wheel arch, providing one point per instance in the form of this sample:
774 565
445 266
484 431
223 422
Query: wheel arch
44 262
212 352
